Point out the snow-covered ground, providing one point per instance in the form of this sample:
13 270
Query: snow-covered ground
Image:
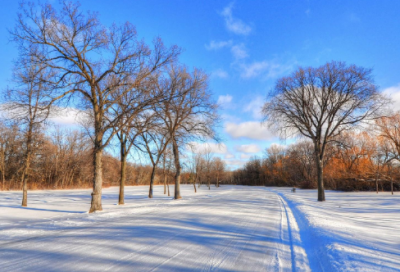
231 228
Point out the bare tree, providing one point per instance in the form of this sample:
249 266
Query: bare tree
29 103
320 103
167 165
208 160
389 130
133 123
187 111
154 142
92 62
4 142
219 167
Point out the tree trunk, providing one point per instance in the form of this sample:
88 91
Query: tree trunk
165 184
3 175
194 184
168 187
26 166
97 179
152 181
121 199
217 180
391 184
178 170
320 171
25 183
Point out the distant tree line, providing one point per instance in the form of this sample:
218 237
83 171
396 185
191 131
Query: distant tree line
367 160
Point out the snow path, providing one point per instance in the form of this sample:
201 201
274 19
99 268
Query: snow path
231 228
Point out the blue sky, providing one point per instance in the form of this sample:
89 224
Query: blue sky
246 46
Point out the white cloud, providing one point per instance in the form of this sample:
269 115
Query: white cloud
212 147
394 93
270 69
279 146
234 164
229 156
254 69
239 51
220 73
224 99
59 116
233 24
252 130
67 116
215 45
245 156
255 107
250 148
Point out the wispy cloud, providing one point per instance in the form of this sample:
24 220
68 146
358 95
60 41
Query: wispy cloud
234 164
245 156
215 45
255 107
233 24
224 99
254 69
267 69
67 116
251 130
239 51
249 148
203 147
220 73
394 94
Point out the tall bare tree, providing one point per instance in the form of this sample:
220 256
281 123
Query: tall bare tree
320 103
187 111
92 62
28 103
134 122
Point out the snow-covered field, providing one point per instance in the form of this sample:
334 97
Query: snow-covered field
232 228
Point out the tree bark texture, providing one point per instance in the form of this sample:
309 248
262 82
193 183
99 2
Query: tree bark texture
121 199
153 173
26 166
97 181
175 150
321 189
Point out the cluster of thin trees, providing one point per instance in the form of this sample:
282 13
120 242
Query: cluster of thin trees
62 159
204 168
130 93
